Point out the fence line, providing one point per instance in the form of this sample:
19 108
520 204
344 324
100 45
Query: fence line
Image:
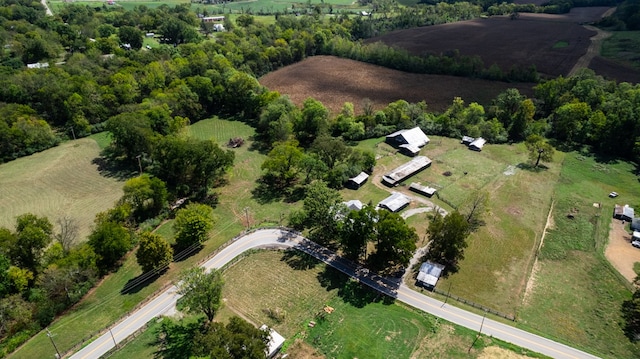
475 305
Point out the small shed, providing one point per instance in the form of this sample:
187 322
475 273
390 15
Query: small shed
477 144
354 205
413 136
409 150
394 203
406 170
357 181
275 341
466 140
624 213
429 274
423 190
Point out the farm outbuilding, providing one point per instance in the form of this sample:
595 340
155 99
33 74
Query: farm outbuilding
406 170
624 213
477 144
394 203
413 137
466 140
423 190
357 181
275 341
429 274
409 150
354 205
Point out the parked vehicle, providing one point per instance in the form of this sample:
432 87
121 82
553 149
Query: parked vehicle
636 244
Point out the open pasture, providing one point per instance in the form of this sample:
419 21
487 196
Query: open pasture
527 41
334 81
61 181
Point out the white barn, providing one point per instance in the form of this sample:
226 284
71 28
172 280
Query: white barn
413 137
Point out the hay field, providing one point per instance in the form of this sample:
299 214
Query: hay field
61 181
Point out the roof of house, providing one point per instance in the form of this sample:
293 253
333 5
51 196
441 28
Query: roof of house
422 189
407 169
430 273
478 143
359 179
354 205
413 136
275 341
395 202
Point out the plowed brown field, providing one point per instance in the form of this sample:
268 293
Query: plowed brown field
334 81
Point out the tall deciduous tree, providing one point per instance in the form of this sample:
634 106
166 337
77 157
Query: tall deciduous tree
396 242
146 195
131 35
33 235
474 208
154 252
110 241
448 239
68 232
192 224
539 149
321 205
358 229
201 291
283 164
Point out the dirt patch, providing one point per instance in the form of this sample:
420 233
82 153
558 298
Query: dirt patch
613 70
334 81
499 353
620 252
530 40
302 350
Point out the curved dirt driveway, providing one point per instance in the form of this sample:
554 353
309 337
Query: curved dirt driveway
594 49
620 252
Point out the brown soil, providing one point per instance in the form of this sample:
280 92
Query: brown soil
612 70
499 353
302 350
529 40
334 81
620 252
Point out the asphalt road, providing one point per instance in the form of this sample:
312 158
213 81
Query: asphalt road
275 238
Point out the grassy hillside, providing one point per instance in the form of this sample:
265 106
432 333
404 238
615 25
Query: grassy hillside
61 181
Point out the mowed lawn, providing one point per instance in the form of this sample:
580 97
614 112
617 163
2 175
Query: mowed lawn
576 294
61 181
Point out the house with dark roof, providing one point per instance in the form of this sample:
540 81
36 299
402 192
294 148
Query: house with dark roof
394 203
357 181
406 170
408 141
429 274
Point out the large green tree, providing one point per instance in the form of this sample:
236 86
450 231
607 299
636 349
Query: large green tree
321 206
110 241
539 149
33 235
147 196
395 242
447 240
201 291
192 224
154 252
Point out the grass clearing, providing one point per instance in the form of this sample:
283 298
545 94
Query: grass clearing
574 277
61 181
362 324
623 46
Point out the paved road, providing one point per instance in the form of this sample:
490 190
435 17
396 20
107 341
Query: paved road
272 238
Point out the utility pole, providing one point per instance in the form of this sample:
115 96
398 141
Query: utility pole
58 356
114 339
447 298
479 332
139 164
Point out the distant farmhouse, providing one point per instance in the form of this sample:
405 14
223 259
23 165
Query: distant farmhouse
408 141
624 213
475 144
429 274
357 181
406 170
395 202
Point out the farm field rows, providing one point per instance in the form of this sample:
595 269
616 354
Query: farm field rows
62 181
334 81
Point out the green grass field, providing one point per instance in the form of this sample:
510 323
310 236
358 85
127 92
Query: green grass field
58 182
362 324
574 277
623 46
